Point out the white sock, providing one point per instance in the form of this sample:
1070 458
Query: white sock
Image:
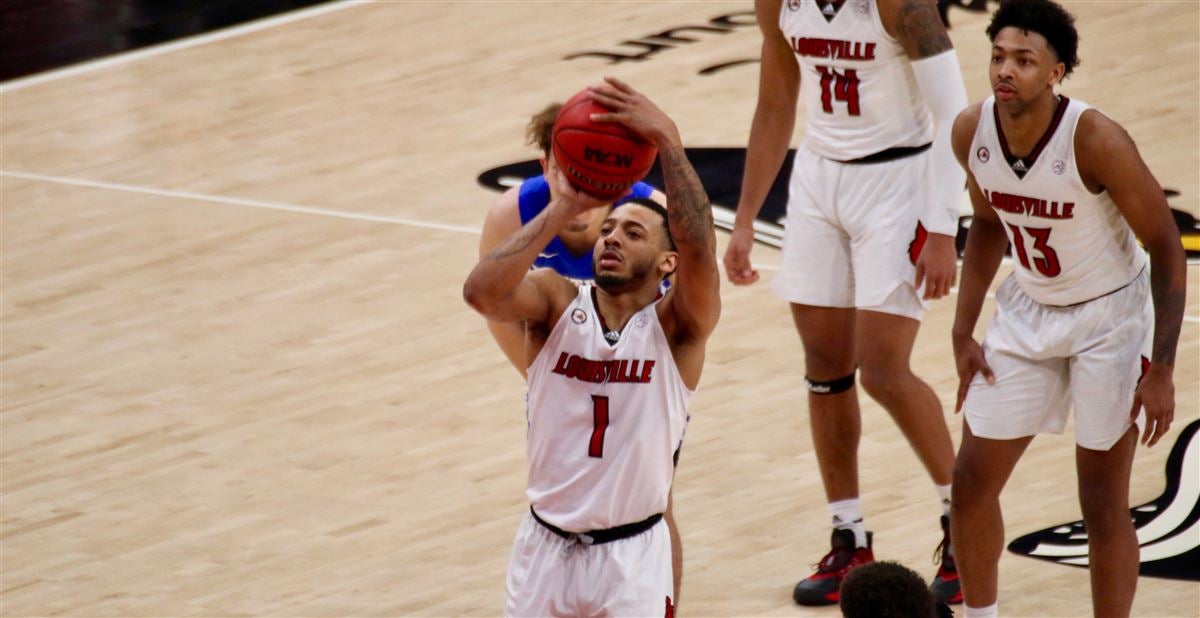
944 494
991 611
847 515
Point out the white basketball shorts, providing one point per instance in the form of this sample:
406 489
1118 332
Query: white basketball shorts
1049 359
848 231
552 576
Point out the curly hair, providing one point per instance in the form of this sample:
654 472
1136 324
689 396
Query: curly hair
886 590
1044 17
541 127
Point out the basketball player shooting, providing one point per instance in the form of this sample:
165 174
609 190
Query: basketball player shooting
615 366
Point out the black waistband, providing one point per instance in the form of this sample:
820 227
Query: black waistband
891 154
599 537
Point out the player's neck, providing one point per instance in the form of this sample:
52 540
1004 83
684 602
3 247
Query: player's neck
1024 125
617 306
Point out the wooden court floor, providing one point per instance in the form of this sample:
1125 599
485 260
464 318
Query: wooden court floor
238 377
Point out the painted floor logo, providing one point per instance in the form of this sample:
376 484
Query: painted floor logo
720 170
1168 527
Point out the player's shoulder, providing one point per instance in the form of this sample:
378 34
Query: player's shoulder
554 283
504 213
1102 147
1095 130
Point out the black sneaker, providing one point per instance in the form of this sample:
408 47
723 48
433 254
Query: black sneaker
945 586
821 588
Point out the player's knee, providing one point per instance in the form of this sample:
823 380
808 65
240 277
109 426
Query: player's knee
881 381
873 382
828 364
1103 508
971 486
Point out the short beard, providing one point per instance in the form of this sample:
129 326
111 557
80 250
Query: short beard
610 282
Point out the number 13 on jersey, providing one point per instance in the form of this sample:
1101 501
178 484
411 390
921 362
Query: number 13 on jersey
841 86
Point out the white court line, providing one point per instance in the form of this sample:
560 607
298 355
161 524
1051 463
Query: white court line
191 41
238 201
325 212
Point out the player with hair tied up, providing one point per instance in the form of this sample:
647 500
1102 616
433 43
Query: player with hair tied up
872 218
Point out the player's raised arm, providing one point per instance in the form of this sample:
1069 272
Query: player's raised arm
917 26
1109 160
770 135
696 301
501 286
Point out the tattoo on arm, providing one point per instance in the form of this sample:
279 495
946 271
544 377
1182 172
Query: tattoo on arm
691 217
920 30
520 241
1168 316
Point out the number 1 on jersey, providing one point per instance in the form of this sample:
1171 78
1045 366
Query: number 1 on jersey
841 86
599 425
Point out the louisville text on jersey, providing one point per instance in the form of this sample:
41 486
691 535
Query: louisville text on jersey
598 372
833 49
1030 206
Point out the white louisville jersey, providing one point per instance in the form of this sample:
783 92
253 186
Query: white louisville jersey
604 420
1071 245
860 93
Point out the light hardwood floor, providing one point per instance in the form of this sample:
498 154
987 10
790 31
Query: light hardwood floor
217 402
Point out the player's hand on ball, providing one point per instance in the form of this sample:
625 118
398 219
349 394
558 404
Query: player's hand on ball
632 109
737 257
968 357
579 201
1155 393
937 266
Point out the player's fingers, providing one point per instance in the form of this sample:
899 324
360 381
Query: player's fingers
933 286
1137 406
963 384
1161 425
619 85
920 275
986 370
608 93
607 117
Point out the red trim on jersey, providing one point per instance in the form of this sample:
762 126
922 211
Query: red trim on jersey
1041 143
920 235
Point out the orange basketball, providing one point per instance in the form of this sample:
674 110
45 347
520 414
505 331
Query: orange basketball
603 159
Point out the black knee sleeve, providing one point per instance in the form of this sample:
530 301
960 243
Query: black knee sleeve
831 387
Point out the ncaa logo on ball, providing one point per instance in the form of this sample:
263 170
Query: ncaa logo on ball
579 316
983 155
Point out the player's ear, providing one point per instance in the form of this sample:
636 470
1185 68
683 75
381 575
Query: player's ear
668 264
1058 73
545 164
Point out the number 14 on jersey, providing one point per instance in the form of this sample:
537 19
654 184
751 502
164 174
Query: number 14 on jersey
840 86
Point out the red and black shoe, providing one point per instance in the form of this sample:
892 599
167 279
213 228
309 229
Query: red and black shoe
821 588
945 586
